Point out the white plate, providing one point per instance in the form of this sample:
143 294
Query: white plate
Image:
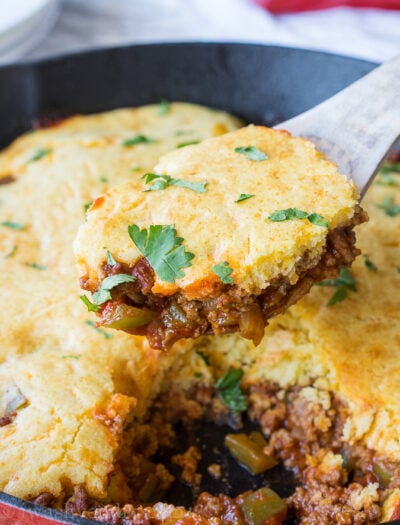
23 24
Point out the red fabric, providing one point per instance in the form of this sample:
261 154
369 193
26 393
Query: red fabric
11 515
291 6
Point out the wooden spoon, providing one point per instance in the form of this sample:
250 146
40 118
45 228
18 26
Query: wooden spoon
358 126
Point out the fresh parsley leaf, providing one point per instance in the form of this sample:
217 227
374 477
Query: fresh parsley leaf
252 153
293 213
223 270
136 168
40 153
103 293
13 225
398 269
70 356
36 266
197 374
344 282
188 143
137 139
287 215
163 250
87 206
98 329
198 187
12 252
90 306
244 197
389 207
110 259
164 107
369 264
318 220
229 390
160 182
339 296
103 179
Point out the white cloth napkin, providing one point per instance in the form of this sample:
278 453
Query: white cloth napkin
366 33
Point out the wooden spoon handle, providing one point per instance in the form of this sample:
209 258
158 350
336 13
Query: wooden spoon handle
356 127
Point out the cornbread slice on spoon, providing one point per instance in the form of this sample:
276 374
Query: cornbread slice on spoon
221 237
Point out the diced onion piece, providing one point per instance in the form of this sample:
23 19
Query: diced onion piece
264 507
249 451
251 324
124 317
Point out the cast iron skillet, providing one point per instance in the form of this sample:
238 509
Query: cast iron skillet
261 84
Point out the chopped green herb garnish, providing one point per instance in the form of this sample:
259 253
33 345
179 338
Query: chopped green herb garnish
40 153
163 250
11 253
36 266
384 178
369 264
389 207
103 293
398 269
87 206
121 514
188 143
230 392
223 270
138 139
103 179
244 197
98 329
287 215
110 259
90 306
136 168
163 107
344 282
13 225
293 213
339 296
70 356
318 220
160 182
252 153
198 374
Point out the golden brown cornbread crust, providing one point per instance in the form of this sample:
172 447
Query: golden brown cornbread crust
69 373
214 227
67 428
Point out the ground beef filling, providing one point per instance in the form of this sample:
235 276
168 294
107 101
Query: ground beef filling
231 309
338 484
